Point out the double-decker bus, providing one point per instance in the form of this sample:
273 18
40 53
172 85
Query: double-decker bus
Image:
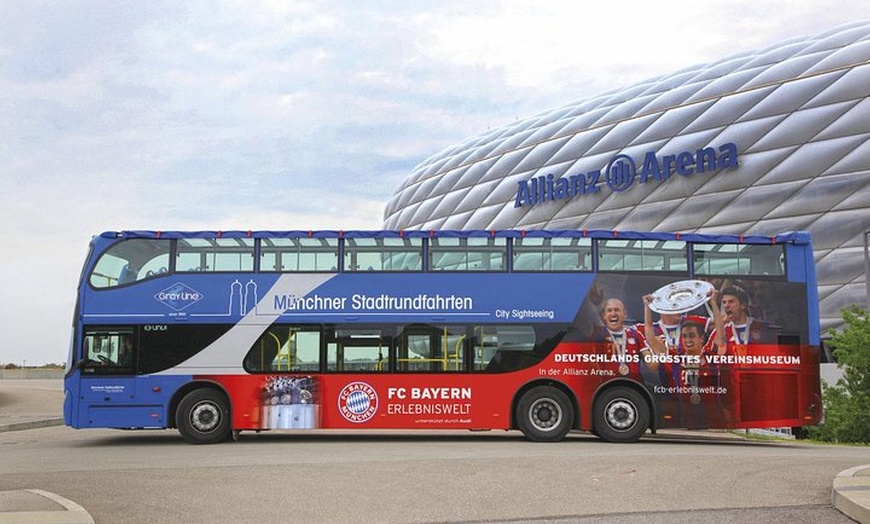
612 332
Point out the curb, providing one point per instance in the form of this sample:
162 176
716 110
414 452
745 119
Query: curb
851 493
19 426
698 435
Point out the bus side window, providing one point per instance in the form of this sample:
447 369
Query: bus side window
359 349
285 348
96 349
109 351
263 354
503 347
425 348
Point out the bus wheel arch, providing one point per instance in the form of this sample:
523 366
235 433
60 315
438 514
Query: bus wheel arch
622 412
545 411
202 413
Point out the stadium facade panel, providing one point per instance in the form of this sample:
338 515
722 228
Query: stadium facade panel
759 143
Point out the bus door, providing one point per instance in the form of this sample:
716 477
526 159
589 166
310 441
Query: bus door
107 366
108 371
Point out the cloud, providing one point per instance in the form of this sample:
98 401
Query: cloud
289 115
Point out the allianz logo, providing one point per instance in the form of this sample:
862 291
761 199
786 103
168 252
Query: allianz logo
622 172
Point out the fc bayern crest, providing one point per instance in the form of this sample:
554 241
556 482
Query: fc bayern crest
358 402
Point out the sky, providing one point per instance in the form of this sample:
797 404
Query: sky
220 115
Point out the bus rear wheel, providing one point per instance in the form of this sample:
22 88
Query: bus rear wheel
544 414
620 414
203 417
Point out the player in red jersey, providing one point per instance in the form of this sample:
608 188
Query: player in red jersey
669 326
625 345
740 328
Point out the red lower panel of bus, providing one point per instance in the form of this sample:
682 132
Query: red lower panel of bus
778 386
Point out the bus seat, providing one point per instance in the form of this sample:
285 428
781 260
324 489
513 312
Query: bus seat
127 275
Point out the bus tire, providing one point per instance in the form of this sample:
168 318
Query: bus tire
620 414
545 414
203 417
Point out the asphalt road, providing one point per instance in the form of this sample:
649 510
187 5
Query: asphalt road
412 477
154 477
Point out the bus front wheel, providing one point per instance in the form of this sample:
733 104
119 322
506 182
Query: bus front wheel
544 414
620 414
203 417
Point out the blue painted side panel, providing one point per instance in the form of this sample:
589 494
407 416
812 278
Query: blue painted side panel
120 402
225 299
801 267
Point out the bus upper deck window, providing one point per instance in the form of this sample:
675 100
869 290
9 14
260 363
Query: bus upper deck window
383 254
468 254
130 261
215 254
552 254
642 255
299 255
739 259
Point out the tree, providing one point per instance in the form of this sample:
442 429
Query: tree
847 404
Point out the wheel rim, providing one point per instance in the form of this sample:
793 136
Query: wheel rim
545 414
620 414
205 417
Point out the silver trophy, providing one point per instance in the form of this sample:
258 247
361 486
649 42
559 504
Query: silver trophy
680 297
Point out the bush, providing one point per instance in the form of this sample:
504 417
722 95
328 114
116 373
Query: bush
847 404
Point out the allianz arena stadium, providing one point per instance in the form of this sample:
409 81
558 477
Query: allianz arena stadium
759 143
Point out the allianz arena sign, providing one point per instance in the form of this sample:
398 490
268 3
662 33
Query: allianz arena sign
621 173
